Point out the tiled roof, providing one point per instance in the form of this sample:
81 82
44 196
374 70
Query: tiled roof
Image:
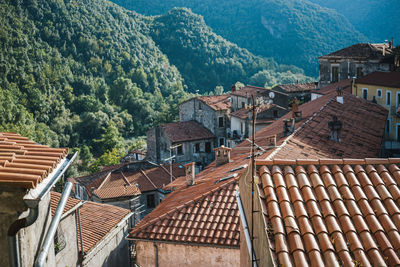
332 213
185 131
296 87
211 217
389 79
361 51
330 88
55 199
250 90
97 220
116 183
217 102
243 113
24 163
206 181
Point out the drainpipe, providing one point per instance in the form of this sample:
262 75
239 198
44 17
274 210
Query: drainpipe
33 205
245 227
40 260
155 254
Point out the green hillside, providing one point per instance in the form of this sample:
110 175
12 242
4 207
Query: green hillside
289 31
378 20
93 75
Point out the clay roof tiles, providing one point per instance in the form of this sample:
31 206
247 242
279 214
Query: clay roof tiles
250 90
347 213
389 79
185 131
296 87
24 163
361 51
97 220
218 102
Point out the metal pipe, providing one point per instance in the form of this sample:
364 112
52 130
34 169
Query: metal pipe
49 239
33 205
245 227
80 230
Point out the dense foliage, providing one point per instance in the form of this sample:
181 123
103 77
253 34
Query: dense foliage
87 74
290 31
378 20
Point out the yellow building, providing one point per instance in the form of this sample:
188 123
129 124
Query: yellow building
384 88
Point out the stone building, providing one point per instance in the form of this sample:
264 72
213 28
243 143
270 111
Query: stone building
211 112
186 141
355 61
302 91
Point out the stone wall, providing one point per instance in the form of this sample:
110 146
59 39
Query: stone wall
67 256
172 254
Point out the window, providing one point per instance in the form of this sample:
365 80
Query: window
151 201
208 147
275 114
179 150
387 129
398 132
388 96
200 106
243 104
241 127
220 121
335 74
221 141
197 148
365 93
397 99
359 72
379 93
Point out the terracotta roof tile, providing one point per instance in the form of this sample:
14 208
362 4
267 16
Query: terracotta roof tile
23 163
185 131
55 199
389 79
296 87
342 213
361 51
250 90
217 102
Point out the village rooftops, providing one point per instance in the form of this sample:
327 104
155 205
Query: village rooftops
249 91
361 51
343 212
243 113
121 182
295 87
24 163
216 102
332 87
185 131
97 220
389 79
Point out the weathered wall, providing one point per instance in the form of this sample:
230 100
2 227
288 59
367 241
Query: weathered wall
152 145
236 125
112 251
11 206
68 256
170 254
195 109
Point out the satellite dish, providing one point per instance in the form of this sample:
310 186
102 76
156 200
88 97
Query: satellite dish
271 95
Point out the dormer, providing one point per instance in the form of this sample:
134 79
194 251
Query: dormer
222 155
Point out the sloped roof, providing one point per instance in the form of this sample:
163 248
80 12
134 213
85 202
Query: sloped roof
97 220
209 179
331 88
361 51
332 213
129 183
250 90
389 79
296 87
217 102
185 131
24 163
209 218
243 113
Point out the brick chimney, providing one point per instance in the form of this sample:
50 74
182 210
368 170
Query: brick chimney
339 96
190 173
296 114
222 155
335 126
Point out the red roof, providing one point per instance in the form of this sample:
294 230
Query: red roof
97 220
361 51
24 163
185 131
331 88
217 102
243 113
296 87
250 90
332 213
388 79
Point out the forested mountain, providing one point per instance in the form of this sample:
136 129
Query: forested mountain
290 31
89 74
377 19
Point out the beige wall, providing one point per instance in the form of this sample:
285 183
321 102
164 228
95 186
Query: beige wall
68 256
170 254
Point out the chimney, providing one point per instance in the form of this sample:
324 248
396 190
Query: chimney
296 114
233 88
190 173
316 85
288 126
384 49
222 155
335 126
339 97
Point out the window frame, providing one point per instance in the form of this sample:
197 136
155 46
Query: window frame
179 150
150 199
196 148
379 90
223 141
208 147
221 119
388 126
389 98
362 94
338 72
